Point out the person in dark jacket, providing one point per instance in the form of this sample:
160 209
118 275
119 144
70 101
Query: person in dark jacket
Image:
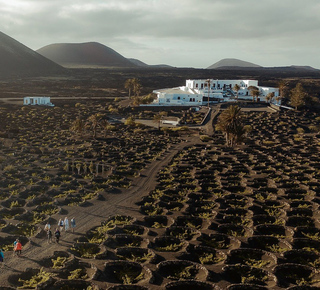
49 236
57 235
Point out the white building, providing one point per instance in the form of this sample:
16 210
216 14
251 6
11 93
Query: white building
43 101
198 92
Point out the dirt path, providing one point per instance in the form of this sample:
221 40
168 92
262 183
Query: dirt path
208 128
88 217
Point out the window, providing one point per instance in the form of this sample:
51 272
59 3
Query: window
168 100
178 98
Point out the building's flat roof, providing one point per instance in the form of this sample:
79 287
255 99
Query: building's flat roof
176 91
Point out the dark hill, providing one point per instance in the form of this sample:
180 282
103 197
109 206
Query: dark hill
84 55
232 62
18 60
138 62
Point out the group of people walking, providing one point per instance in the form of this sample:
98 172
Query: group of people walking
63 224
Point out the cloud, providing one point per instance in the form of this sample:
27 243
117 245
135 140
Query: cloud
286 27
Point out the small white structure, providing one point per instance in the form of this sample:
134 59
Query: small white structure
43 101
199 92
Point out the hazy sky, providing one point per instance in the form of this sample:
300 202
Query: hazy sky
188 33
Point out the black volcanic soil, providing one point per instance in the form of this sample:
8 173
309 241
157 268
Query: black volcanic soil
110 82
190 209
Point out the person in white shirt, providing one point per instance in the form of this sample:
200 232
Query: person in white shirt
66 224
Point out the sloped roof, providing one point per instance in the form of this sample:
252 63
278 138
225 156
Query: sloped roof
176 90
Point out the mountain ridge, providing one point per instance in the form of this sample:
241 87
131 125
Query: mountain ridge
232 62
86 54
18 59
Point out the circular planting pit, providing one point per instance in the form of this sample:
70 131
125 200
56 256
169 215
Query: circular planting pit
86 250
203 255
296 197
172 197
262 195
307 232
275 204
76 270
273 230
120 220
251 257
8 214
151 210
236 220
125 272
21 230
189 221
219 241
171 205
269 243
302 205
59 260
305 243
300 221
263 219
234 230
168 244
182 232
201 212
31 218
139 255
122 240
32 279
158 221
246 274
202 200
135 230
190 285
303 257
182 270
294 274
13 203
234 200
47 209
39 200
73 285
238 212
